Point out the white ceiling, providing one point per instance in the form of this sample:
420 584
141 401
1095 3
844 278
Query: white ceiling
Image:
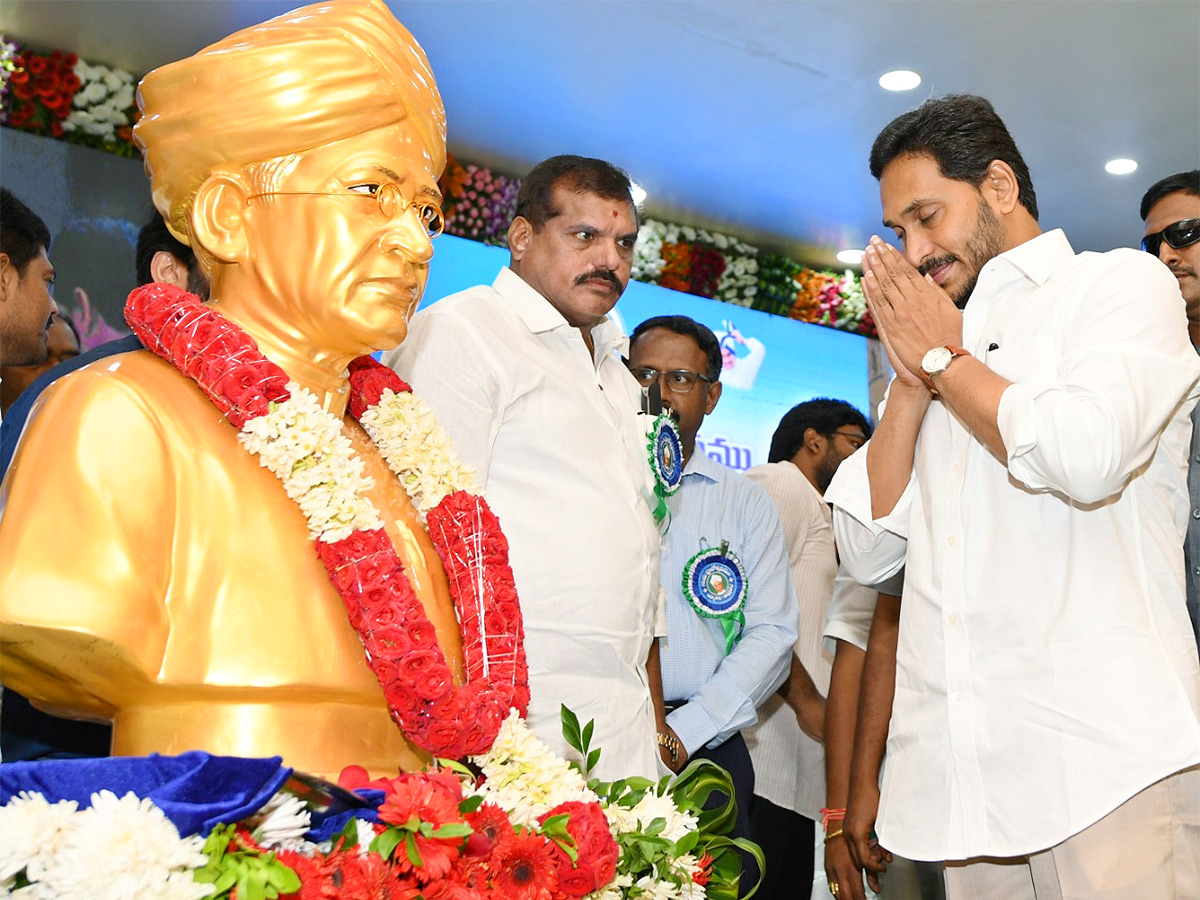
757 117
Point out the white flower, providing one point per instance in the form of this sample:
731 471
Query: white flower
282 823
417 449
31 830
525 777
124 849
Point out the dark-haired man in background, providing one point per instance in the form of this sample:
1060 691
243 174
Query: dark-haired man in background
527 378
724 653
26 279
160 257
786 745
1171 211
25 732
1030 466
62 344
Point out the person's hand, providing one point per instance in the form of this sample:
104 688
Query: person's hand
859 826
912 312
810 716
844 876
676 763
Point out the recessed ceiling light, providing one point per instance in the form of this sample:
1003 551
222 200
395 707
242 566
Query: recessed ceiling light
1120 166
637 192
899 80
850 257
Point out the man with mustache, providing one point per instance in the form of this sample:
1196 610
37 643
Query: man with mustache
526 376
1029 470
1171 211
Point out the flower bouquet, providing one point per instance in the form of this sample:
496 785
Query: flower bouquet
518 823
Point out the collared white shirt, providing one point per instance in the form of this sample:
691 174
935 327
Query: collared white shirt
1046 670
789 766
553 433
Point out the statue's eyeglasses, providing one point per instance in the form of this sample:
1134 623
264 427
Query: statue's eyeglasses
387 196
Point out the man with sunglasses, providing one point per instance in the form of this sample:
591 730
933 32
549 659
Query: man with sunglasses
731 606
1171 211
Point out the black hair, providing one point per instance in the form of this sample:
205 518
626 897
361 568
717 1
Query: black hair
71 324
23 235
580 174
701 334
823 414
963 134
1187 182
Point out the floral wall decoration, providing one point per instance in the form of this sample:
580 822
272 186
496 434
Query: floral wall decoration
60 96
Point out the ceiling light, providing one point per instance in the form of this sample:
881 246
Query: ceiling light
1120 166
899 80
638 193
850 257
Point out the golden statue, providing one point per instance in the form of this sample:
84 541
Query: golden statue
154 573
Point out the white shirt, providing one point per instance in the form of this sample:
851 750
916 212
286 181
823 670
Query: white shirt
1045 669
852 608
553 434
789 766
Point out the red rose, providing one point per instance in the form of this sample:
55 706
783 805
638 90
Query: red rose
445 739
448 708
402 702
434 683
36 64
422 634
393 642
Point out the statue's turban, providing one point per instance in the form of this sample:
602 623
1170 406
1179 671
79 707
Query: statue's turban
305 79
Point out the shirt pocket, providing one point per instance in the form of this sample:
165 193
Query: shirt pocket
1028 361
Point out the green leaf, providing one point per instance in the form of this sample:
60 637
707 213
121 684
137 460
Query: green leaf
570 728
593 757
455 766
385 844
588 729
411 851
452 830
471 804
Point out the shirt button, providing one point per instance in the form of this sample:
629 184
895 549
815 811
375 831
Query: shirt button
958 697
956 468
1196 513
952 619
950 540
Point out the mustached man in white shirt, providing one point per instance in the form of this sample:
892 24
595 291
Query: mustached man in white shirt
1030 466
527 376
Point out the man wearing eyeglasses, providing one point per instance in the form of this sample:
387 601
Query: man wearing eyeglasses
526 376
731 606
1171 211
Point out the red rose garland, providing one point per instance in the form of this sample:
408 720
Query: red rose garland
400 642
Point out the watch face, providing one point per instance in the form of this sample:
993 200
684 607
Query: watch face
936 360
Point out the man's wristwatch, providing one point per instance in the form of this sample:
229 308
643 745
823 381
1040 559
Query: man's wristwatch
937 361
671 744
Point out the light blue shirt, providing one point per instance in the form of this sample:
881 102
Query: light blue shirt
722 693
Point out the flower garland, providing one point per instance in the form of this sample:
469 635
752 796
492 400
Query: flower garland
528 828
284 425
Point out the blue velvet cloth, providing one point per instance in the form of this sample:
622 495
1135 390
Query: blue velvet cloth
195 790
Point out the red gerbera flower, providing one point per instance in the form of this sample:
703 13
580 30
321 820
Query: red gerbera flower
491 827
704 872
421 805
523 868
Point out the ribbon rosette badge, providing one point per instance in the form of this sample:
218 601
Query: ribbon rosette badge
715 584
666 460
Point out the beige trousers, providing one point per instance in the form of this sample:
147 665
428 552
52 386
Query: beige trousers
1148 848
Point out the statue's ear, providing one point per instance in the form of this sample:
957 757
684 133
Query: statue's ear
218 217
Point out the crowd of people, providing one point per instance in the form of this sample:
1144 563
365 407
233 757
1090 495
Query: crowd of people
971 629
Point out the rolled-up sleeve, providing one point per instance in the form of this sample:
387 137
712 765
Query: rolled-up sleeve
872 550
1082 425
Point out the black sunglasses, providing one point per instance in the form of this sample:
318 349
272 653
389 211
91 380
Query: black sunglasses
1179 234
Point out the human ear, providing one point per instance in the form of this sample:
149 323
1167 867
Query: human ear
714 394
217 218
8 273
813 440
518 237
1000 186
166 268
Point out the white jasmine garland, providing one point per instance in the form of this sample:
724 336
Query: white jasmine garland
303 446
417 449
525 777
